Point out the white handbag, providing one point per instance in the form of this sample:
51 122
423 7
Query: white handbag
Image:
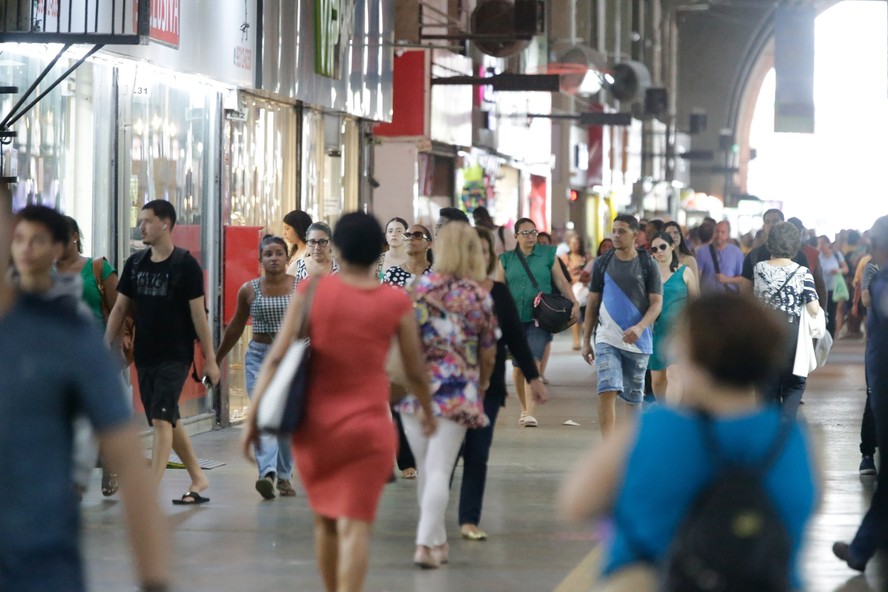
282 405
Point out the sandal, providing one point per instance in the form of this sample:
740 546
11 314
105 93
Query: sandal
110 484
408 474
265 487
285 488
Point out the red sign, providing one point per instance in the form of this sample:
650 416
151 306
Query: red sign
163 21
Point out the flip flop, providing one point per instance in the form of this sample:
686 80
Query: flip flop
109 484
191 498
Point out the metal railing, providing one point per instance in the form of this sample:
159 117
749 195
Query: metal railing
94 22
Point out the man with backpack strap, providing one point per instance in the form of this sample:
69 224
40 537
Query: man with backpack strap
625 298
162 288
720 262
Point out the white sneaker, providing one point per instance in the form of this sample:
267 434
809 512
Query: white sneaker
531 422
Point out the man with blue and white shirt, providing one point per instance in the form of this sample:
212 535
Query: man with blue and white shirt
625 298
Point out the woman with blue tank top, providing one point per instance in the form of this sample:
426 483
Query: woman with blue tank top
265 300
679 285
682 450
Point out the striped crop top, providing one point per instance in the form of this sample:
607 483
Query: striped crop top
267 311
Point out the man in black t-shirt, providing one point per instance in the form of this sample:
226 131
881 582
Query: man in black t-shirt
162 288
759 254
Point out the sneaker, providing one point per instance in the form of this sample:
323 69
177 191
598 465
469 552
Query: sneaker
867 466
531 422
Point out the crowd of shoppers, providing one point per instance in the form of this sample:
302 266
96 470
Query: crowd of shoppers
454 302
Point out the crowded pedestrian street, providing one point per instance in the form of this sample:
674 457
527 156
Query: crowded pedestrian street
241 542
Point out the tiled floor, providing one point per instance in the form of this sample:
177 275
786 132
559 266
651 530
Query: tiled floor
239 542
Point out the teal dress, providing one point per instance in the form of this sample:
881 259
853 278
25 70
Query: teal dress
675 296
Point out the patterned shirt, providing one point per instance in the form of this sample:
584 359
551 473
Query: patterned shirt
772 288
456 320
301 271
267 311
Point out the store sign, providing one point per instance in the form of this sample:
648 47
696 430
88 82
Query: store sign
224 51
164 21
334 22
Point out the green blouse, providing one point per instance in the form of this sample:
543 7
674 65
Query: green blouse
91 294
540 262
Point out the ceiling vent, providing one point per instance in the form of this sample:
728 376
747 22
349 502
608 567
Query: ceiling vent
502 28
630 81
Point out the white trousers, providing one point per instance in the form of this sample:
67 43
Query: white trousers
435 458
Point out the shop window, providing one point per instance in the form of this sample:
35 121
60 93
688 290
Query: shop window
169 151
330 165
62 148
261 189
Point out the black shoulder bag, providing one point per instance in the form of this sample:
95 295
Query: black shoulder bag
550 311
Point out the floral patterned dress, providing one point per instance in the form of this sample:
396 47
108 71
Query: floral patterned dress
456 320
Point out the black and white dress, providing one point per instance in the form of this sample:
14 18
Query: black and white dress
772 288
398 276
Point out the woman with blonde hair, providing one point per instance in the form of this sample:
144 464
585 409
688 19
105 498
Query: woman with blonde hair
458 331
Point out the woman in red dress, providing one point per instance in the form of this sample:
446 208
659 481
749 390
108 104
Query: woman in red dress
345 445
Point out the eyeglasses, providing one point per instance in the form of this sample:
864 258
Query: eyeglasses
660 247
417 235
322 242
528 233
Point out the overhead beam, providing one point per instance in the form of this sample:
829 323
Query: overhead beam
507 82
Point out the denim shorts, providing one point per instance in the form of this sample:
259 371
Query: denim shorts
621 371
537 339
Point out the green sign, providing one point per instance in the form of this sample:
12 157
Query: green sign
327 21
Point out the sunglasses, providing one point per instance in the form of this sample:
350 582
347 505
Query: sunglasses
323 242
660 247
417 235
528 233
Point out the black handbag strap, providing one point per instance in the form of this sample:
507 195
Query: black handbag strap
302 331
785 283
523 261
714 254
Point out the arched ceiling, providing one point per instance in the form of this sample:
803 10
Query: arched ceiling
724 52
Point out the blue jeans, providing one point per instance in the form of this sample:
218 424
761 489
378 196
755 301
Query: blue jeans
537 339
475 452
621 371
873 531
274 454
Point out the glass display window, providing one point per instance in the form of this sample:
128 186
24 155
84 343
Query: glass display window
61 153
331 161
169 127
261 181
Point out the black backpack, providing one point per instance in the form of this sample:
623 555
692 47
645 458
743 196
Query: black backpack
645 258
176 259
732 539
